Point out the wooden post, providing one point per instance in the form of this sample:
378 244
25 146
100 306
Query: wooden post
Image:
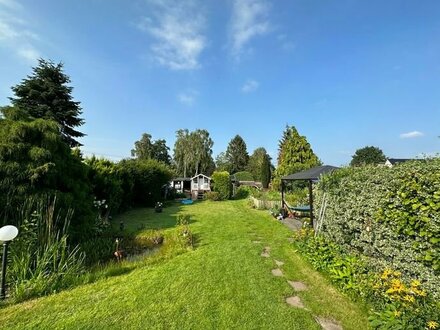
311 202
282 194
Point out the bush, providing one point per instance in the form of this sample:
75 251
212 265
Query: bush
222 184
390 215
212 196
243 192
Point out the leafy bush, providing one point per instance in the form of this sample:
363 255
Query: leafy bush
212 196
243 176
222 184
390 215
243 192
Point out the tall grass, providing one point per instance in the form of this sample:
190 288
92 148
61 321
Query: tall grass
41 260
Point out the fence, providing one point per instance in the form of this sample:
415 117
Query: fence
265 204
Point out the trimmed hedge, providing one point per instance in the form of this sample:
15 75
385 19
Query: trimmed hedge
222 184
391 216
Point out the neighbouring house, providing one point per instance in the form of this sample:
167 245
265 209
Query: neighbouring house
194 187
390 162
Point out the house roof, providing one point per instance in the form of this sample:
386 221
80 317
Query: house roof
200 174
182 179
395 161
311 174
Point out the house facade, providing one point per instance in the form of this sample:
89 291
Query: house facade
194 187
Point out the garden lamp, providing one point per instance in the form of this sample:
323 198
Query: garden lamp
7 234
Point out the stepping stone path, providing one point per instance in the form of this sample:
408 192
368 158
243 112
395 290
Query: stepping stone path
328 324
298 286
279 263
277 272
295 301
266 252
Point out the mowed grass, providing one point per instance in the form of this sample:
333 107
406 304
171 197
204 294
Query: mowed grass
223 283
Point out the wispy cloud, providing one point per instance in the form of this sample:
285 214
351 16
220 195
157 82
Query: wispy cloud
15 33
249 20
178 30
187 98
285 42
250 86
411 135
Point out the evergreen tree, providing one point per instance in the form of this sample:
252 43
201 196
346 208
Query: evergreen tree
46 94
265 171
256 162
237 155
295 153
368 155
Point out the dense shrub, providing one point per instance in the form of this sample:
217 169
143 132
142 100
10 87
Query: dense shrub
379 231
222 184
34 160
106 183
143 181
212 196
391 215
243 192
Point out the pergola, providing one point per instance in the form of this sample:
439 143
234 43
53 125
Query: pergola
310 175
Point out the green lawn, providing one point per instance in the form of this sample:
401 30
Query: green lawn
223 283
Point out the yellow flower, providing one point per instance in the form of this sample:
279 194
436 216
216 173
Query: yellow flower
397 274
408 298
415 283
387 272
432 325
397 313
422 293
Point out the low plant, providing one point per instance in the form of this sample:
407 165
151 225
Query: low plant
212 196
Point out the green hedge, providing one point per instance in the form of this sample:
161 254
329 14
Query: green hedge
222 184
389 215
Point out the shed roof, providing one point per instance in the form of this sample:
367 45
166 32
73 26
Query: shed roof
311 174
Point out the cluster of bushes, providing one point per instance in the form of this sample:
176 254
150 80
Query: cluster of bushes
222 185
379 238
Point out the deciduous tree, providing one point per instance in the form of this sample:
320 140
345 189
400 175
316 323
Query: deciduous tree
368 155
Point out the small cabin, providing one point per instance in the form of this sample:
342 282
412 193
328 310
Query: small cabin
195 186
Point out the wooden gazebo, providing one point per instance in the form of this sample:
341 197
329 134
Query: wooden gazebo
310 175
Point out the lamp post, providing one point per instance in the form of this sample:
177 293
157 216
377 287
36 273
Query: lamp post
7 234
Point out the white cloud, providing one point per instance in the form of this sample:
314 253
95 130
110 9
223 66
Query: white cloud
250 86
177 27
410 135
249 20
29 53
187 98
15 33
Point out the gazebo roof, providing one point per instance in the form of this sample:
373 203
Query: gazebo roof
311 174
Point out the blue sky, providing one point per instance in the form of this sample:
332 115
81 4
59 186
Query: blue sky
346 73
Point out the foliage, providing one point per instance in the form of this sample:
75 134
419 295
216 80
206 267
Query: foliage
212 196
41 261
243 176
222 184
243 192
265 171
255 163
145 148
142 181
294 154
34 160
368 155
390 215
395 304
106 183
46 94
221 163
193 152
237 155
